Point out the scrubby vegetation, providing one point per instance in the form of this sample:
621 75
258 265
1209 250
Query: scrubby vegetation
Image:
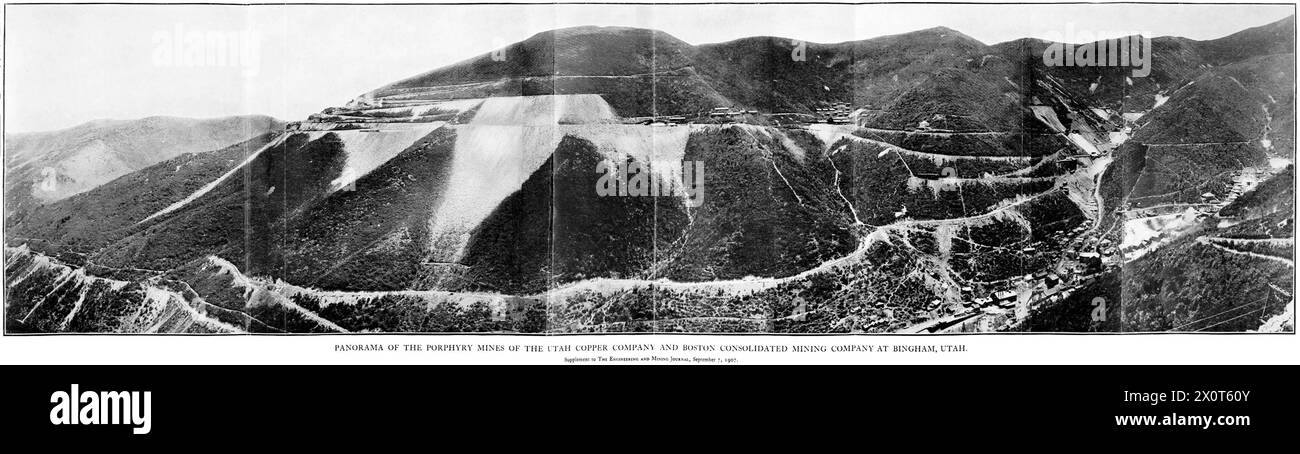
1189 286
938 188
1276 195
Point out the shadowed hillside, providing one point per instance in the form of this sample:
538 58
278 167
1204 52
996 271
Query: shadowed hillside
922 182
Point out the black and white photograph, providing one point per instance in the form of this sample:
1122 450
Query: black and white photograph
762 169
1041 224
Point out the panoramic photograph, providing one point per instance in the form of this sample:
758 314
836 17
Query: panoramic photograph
695 169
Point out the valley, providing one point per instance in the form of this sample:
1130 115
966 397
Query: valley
982 193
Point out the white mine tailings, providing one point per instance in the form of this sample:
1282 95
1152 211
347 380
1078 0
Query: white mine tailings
1048 116
1144 235
155 309
508 139
260 291
830 134
662 146
915 184
367 150
544 110
489 163
212 185
1083 144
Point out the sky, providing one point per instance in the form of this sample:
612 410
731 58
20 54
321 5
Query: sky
68 64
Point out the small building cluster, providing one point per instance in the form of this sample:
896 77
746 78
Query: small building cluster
730 112
664 120
837 113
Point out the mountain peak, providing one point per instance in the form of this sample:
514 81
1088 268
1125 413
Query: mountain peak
945 32
938 29
596 29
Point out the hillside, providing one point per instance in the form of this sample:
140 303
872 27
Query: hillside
921 182
93 219
43 167
624 64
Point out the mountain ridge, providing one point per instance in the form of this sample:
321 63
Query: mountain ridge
967 173
47 166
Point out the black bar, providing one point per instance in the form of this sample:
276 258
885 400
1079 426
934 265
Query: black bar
323 404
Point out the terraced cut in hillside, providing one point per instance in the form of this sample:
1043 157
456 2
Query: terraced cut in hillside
605 179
